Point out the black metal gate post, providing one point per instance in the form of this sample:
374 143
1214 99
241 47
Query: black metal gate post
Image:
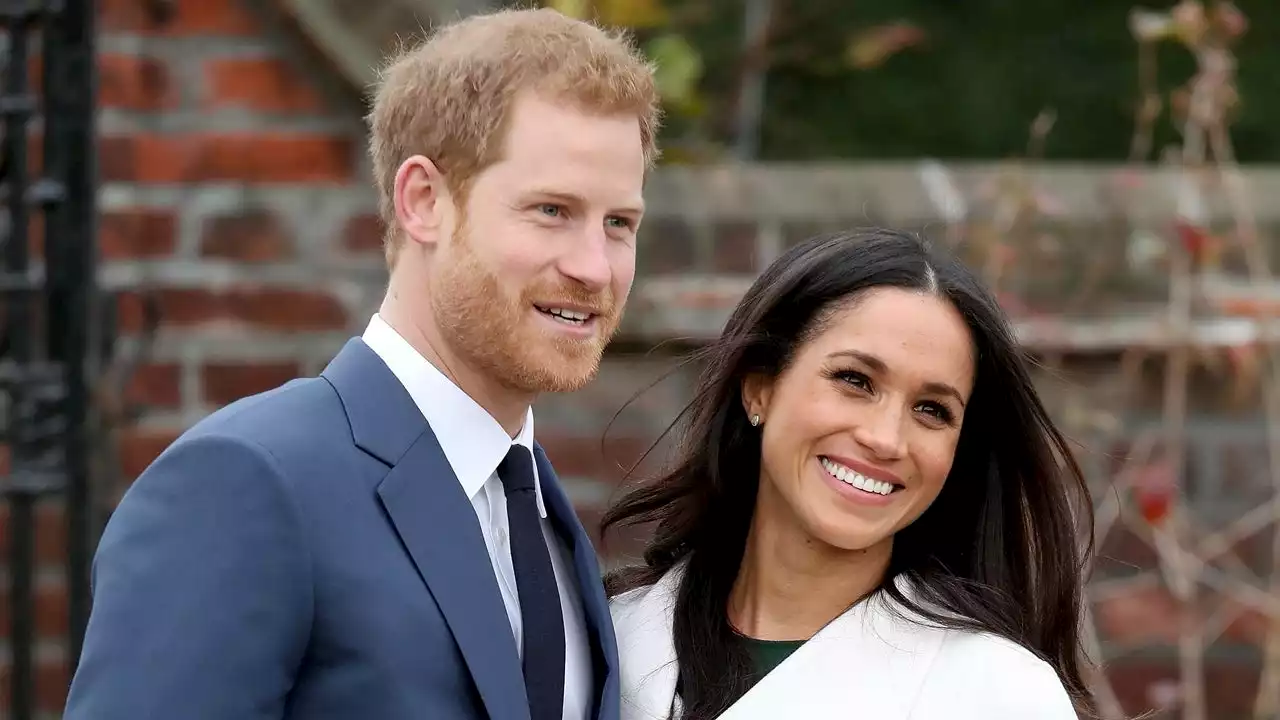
44 307
70 155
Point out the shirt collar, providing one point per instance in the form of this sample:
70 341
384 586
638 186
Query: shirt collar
473 442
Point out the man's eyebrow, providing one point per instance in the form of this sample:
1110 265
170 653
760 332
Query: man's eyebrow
634 208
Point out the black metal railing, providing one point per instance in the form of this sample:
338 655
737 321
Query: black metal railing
46 302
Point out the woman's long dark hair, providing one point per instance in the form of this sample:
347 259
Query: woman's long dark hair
1003 547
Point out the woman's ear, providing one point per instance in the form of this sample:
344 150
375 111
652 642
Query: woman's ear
756 390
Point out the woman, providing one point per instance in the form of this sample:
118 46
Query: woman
871 514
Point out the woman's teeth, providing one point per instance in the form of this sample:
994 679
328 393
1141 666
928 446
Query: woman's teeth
857 480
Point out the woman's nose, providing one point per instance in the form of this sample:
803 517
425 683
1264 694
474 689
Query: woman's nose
880 431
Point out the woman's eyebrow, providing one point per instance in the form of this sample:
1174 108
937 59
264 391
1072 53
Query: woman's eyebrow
878 365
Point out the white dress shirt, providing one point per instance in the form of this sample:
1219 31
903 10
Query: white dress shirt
475 444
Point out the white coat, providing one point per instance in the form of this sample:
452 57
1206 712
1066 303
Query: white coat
868 664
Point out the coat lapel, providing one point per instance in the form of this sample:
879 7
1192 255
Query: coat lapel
435 521
438 526
648 672
591 586
869 659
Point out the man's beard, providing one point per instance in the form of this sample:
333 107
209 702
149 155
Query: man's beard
494 331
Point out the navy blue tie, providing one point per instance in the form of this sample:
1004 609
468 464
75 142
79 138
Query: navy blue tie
540 612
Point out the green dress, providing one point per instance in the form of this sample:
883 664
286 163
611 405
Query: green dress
765 656
769 654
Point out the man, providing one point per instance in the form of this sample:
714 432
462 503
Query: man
386 541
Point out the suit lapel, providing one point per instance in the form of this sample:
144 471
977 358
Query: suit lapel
435 521
590 584
438 526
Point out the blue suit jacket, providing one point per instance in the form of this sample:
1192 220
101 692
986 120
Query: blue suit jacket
308 554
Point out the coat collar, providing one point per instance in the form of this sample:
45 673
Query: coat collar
384 420
874 652
643 619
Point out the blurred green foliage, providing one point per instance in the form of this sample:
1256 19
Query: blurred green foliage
951 79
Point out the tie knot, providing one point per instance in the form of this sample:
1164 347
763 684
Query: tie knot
516 470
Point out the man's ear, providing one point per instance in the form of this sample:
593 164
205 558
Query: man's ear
757 389
421 199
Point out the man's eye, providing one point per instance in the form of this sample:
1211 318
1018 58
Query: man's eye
549 210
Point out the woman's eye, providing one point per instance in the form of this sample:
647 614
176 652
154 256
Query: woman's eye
549 210
936 411
856 379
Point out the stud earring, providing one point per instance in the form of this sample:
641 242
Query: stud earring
755 421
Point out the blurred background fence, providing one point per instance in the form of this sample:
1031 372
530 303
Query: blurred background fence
1113 171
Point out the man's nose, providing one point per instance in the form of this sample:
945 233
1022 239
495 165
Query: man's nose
587 261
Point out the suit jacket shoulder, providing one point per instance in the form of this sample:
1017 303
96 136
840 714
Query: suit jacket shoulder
284 420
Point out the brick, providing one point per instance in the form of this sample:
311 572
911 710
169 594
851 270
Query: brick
35 234
50 544
621 545
266 308
52 680
156 385
268 85
363 233
1253 551
1150 616
50 610
1122 549
35 71
178 17
248 157
174 307
1230 686
139 448
280 158
1141 616
283 309
137 234
252 236
734 247
795 233
587 457
225 383
134 82
1250 626
666 246
35 154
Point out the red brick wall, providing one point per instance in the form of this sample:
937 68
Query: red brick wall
215 149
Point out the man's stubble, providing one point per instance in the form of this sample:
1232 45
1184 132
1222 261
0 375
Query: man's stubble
491 329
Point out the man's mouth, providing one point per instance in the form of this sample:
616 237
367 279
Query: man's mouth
573 318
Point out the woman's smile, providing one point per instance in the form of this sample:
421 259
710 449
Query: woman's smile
855 486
